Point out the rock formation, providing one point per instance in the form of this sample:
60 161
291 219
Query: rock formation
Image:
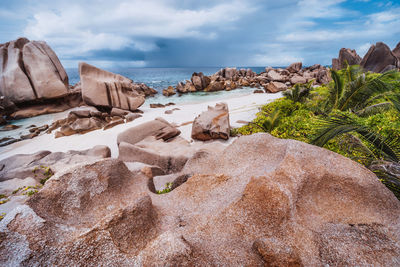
348 56
87 120
396 51
261 201
159 128
212 124
230 78
105 89
379 58
30 70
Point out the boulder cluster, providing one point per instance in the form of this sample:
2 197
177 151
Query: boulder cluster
379 58
271 80
260 201
33 82
86 120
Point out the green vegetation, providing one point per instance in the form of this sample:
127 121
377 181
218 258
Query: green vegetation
26 190
2 215
45 171
168 188
356 115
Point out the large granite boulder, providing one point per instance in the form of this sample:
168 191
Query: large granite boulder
378 58
275 87
396 51
200 81
30 70
295 67
212 124
106 89
346 55
262 201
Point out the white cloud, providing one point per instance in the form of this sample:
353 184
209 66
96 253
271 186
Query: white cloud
363 49
120 24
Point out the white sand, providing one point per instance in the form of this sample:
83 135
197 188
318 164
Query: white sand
240 108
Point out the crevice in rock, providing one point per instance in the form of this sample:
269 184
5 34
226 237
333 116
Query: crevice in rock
25 71
118 91
108 93
5 55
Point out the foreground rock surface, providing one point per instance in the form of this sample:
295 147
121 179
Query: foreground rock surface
105 89
261 201
212 124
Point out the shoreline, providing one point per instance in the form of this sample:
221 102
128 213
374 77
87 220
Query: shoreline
242 107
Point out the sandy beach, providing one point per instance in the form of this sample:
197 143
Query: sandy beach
240 108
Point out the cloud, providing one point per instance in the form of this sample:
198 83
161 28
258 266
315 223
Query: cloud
201 33
122 24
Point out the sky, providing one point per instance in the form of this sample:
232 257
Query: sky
208 33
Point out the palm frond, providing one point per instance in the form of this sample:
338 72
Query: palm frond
395 100
387 148
271 121
357 93
374 109
336 90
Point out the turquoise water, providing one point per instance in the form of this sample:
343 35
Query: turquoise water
158 78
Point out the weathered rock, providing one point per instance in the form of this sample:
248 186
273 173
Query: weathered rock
169 91
275 76
81 126
346 55
30 70
212 124
230 85
105 89
230 73
378 58
158 128
297 79
215 86
71 100
21 166
258 91
7 107
274 87
118 112
143 89
9 127
132 116
169 156
295 67
113 123
200 81
396 51
261 201
189 87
